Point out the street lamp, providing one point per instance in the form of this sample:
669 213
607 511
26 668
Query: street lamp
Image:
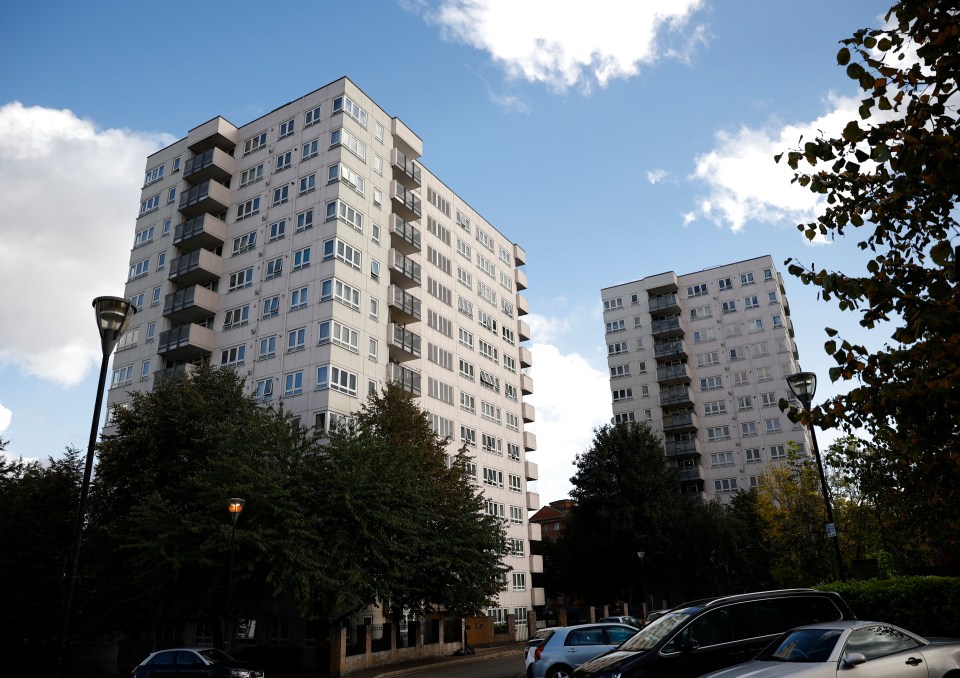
235 508
113 317
643 586
804 385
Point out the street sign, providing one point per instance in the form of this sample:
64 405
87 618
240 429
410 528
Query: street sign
831 530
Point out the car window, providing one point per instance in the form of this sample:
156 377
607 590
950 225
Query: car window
758 618
585 637
214 656
186 658
879 641
618 634
802 645
164 659
713 628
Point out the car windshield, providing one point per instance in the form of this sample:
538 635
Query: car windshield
215 656
802 646
650 635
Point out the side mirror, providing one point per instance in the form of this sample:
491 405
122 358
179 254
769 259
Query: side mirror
689 645
852 659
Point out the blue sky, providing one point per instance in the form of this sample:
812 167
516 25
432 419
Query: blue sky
610 140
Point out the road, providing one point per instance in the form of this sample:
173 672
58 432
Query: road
509 666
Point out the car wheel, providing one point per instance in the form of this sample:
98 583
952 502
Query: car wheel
559 672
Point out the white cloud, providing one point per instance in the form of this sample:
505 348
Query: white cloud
6 416
571 398
564 43
67 211
547 329
745 184
656 176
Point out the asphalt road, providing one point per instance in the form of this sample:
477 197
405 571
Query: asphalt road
509 666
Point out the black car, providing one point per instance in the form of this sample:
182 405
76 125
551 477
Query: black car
194 661
712 634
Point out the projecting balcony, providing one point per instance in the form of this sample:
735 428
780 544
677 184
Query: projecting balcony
523 306
666 303
175 372
196 268
674 396
186 342
536 564
669 349
214 133
529 413
790 328
673 374
406 203
526 384
191 305
205 231
208 197
667 327
406 378
404 307
404 271
404 344
403 134
534 532
529 441
406 236
676 423
213 163
405 170
523 331
520 277
519 255
526 357
531 470
690 474
533 501
681 448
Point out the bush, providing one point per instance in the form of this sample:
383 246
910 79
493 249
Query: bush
929 606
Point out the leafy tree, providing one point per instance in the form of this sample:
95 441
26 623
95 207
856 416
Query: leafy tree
892 179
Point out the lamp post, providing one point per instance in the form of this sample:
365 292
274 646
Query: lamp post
643 586
235 508
113 317
804 385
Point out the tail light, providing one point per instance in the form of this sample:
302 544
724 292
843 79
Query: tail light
539 652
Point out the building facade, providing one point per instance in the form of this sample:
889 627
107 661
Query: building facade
703 358
311 251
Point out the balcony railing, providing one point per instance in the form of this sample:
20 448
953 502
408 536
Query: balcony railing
196 268
209 197
406 378
405 200
690 473
405 306
190 305
404 344
674 396
186 342
681 448
667 302
673 373
665 327
408 171
205 231
407 269
685 420
668 349
213 163
407 236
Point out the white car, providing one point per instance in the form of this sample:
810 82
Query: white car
854 648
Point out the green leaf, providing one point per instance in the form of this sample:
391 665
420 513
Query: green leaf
843 57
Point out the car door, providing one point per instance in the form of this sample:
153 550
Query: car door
582 645
189 664
163 665
706 644
890 653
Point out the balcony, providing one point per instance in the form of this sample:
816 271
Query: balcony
685 421
533 501
529 413
667 327
666 303
213 163
404 344
534 532
208 197
406 171
526 384
214 133
674 396
519 255
689 474
406 236
205 231
529 441
404 306
523 331
536 564
520 277
405 272
531 470
673 374
681 448
403 134
526 357
191 305
175 372
523 306
406 203
199 267
669 349
406 378
186 342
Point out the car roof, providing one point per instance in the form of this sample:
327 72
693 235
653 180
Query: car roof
841 624
776 593
590 626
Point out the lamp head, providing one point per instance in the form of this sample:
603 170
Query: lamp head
113 318
804 386
235 507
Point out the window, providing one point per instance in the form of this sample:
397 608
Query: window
437 322
156 296
443 427
264 390
441 231
705 359
245 243
778 452
463 221
444 393
490 412
284 161
465 307
718 433
487 380
513 422
486 266
491 444
311 117
378 132
768 399
466 370
519 581
301 259
372 349
151 331
298 298
725 485
274 268
341 137
516 514
375 233
271 307
161 261
732 330
139 269
337 209
489 351
150 204
335 289
486 294
506 307
374 308
748 429
615 326
759 349
296 340
746 279
506 282
744 403
336 379
714 407
441 292
440 356
267 348
464 278
701 312
251 175
697 290
624 417
492 477
703 336
618 371
513 452
310 150
721 459
280 195
772 425
751 302
738 353
711 383
612 304
255 143
143 237
240 279
764 374
468 403
438 260
725 284
137 301
236 317
464 250
346 105
640 344
468 436
741 378
772 297
305 220
440 203
122 376
129 339
755 325
277 230
153 175
465 338
487 321
729 306
286 128
621 394
248 209
308 184
777 322
233 356
752 455
617 348
293 383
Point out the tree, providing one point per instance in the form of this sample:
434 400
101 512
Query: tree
893 178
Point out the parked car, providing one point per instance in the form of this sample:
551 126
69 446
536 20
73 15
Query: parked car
873 648
654 615
623 619
712 634
566 647
531 646
194 661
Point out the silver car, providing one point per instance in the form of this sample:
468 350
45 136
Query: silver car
834 648
565 648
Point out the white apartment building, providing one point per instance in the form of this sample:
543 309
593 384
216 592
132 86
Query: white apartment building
702 358
311 251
